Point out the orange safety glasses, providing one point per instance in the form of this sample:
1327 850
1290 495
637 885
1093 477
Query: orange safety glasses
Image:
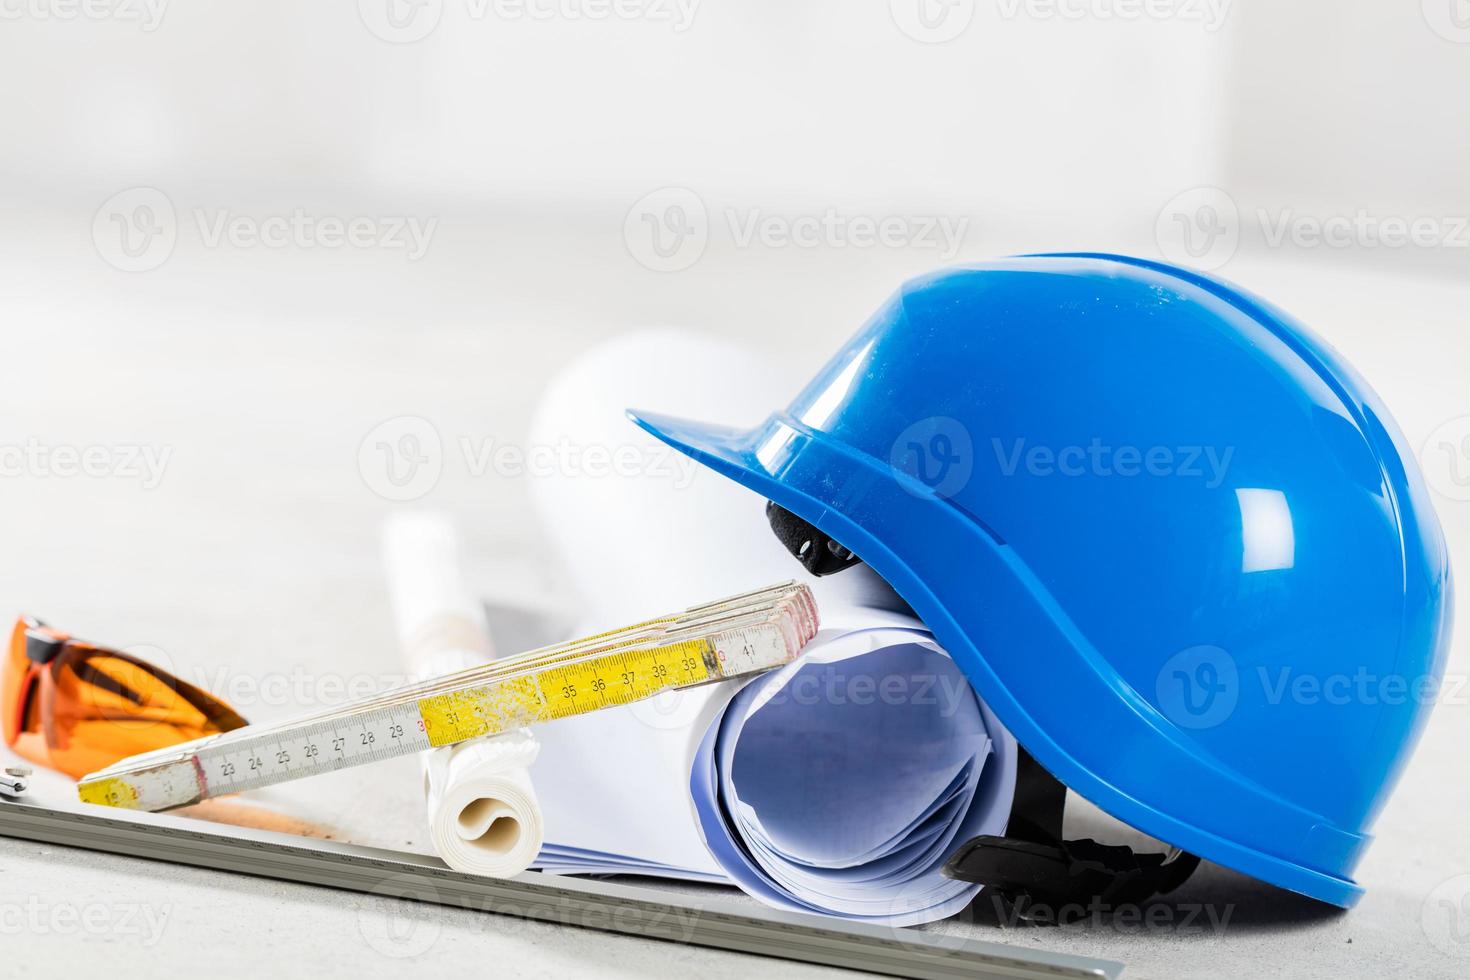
77 707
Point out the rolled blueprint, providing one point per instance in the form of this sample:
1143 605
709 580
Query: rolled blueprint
838 784
483 814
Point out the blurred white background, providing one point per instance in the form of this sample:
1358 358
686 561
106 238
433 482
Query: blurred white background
246 238
214 209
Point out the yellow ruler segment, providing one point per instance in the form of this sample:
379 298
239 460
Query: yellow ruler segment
734 637
109 792
560 692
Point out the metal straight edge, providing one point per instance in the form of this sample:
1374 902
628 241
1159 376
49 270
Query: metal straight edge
631 910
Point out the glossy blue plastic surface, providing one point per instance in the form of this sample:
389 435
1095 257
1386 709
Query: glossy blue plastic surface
1178 546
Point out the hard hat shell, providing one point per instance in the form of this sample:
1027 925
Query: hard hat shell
1177 545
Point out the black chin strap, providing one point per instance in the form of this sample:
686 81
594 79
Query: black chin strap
817 551
1034 864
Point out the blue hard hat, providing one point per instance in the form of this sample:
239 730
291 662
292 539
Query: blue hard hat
1175 542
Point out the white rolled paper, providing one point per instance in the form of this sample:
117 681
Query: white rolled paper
483 814
837 784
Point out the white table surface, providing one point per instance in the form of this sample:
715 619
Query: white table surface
256 556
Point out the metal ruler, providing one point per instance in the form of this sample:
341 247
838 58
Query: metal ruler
631 910
733 637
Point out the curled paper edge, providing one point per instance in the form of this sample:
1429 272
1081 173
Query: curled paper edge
484 817
483 814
